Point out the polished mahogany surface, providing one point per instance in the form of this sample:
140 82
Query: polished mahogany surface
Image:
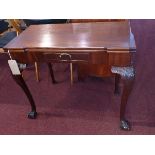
91 36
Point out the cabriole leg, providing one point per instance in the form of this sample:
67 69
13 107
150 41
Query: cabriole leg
127 74
117 81
20 81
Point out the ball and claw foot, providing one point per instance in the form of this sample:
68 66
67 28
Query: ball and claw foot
125 125
32 115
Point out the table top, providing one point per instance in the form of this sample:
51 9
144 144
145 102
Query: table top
115 36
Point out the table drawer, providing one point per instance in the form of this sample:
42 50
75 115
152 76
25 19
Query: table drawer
66 57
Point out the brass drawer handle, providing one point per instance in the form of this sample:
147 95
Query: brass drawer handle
65 54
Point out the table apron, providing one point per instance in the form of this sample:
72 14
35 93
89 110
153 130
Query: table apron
111 59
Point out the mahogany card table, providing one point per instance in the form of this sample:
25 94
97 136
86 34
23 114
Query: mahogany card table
106 43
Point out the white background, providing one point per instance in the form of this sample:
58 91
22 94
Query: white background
77 9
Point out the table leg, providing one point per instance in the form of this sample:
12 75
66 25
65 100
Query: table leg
127 74
71 73
51 73
20 81
117 81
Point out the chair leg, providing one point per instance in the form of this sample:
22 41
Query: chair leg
37 71
71 73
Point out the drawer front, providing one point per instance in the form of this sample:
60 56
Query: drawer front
66 57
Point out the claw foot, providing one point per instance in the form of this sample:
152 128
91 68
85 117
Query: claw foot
32 115
125 125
